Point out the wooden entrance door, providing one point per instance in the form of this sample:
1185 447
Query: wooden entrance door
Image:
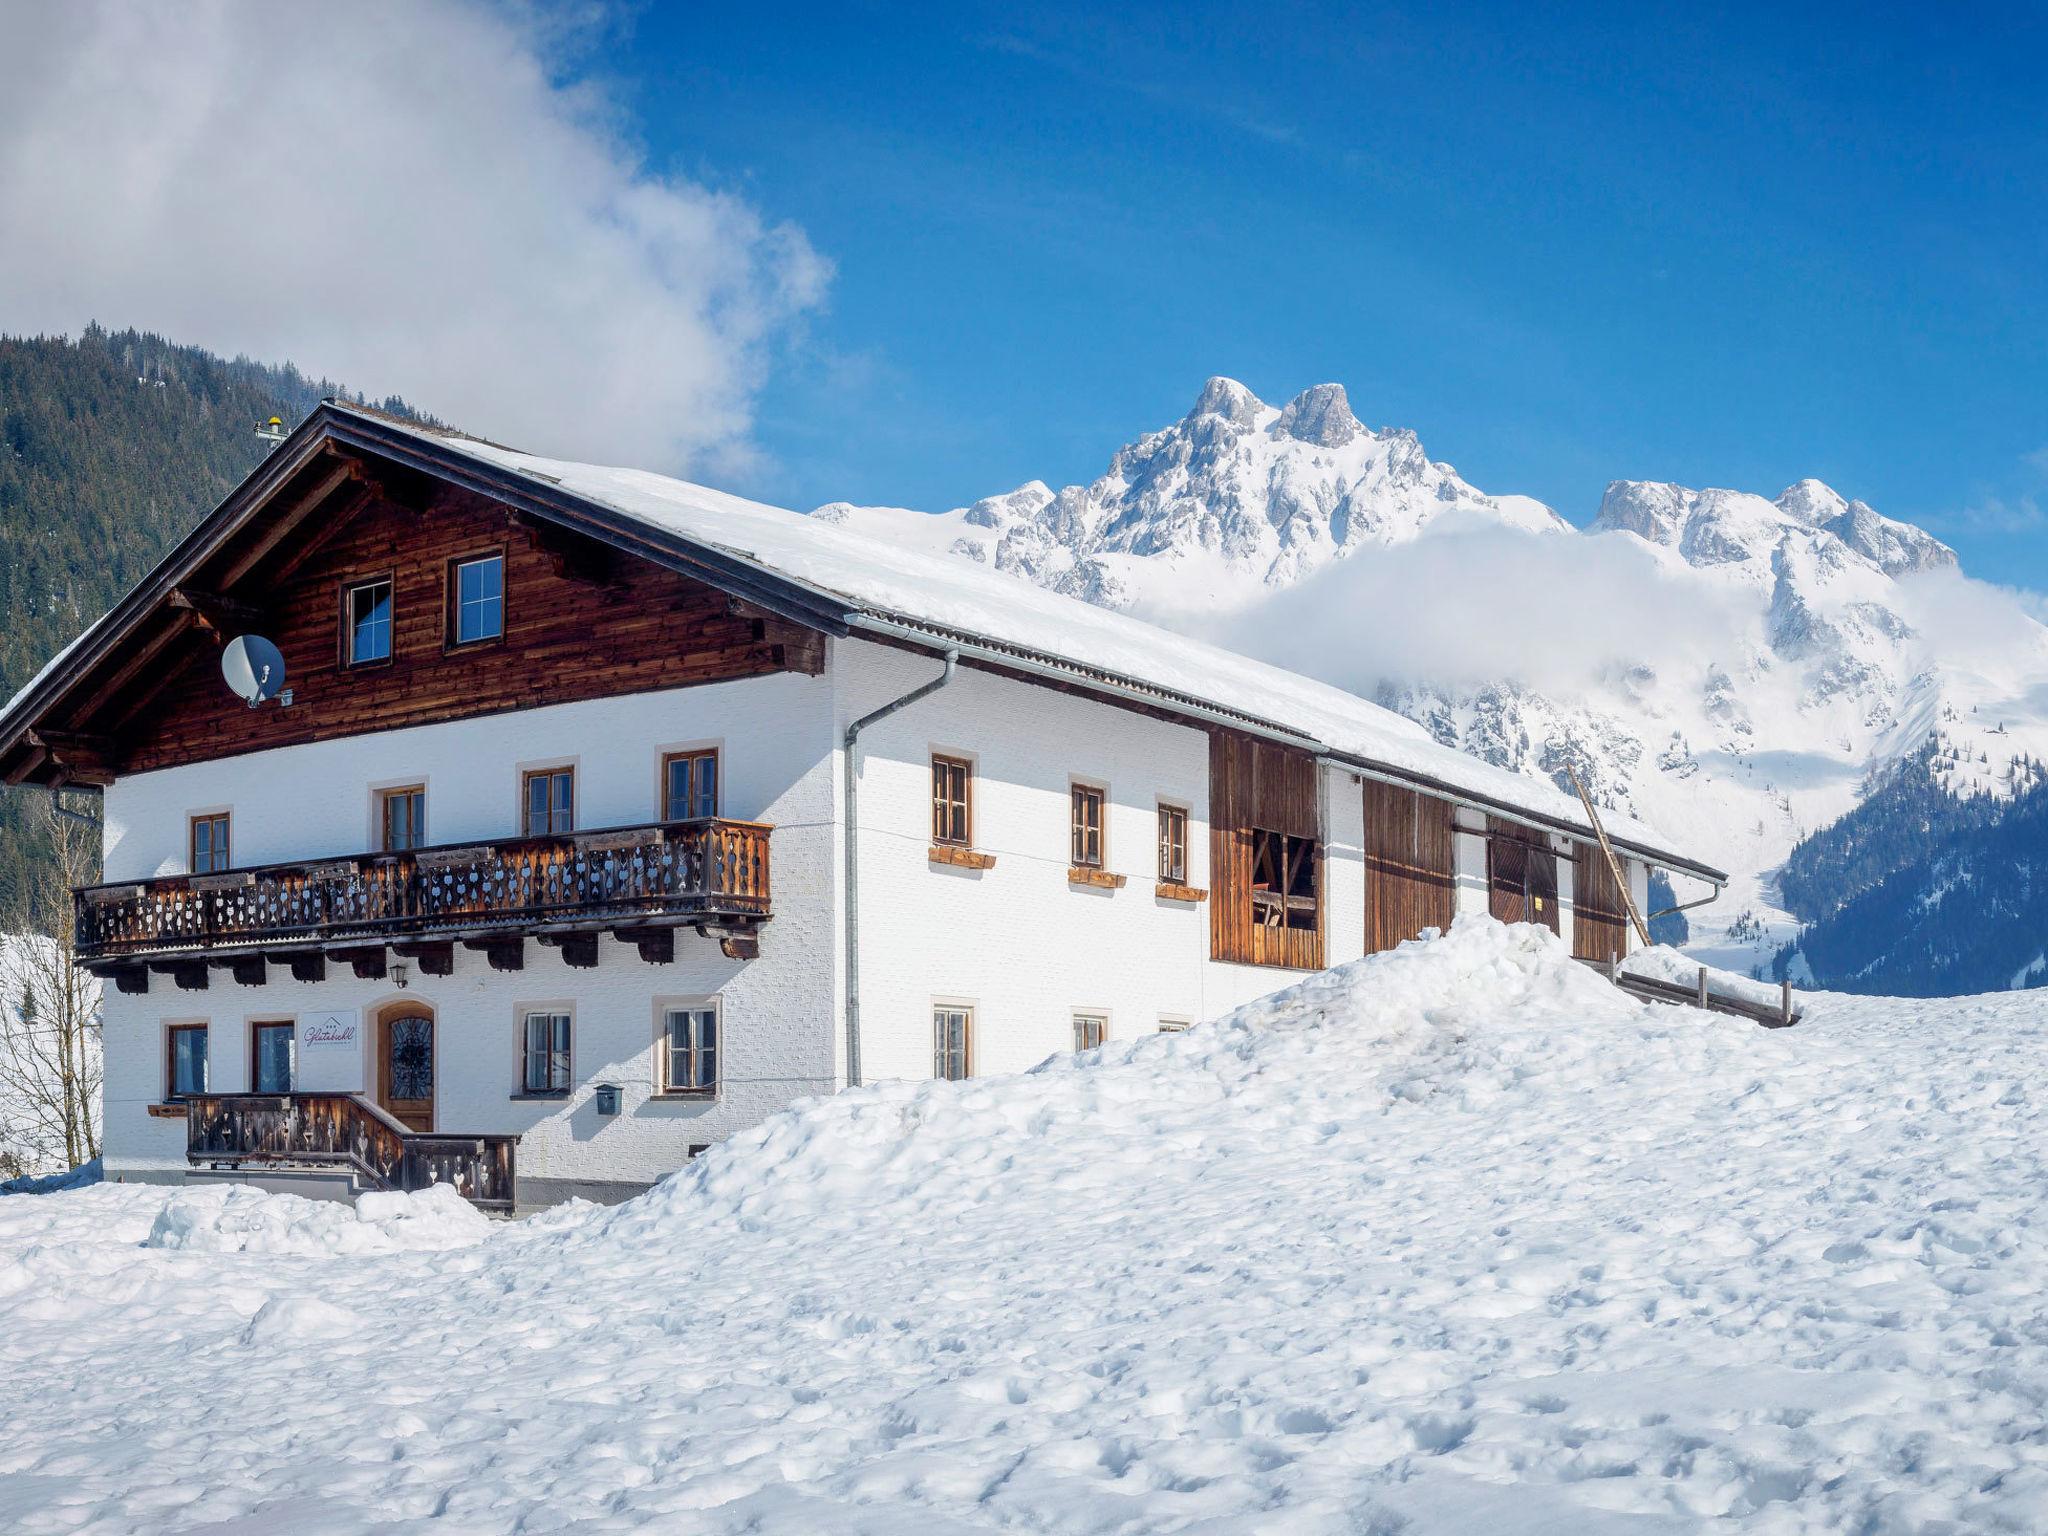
405 1064
1521 879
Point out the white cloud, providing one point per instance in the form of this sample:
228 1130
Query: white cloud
406 198
1472 603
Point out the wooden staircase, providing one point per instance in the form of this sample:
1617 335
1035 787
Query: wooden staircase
344 1132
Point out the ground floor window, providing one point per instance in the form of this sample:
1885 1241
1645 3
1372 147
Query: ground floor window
272 1058
187 1074
1090 1030
1171 1026
689 1049
952 1043
546 1053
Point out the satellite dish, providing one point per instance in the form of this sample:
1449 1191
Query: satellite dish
253 667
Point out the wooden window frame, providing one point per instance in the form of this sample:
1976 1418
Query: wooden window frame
939 1052
1287 902
171 1033
525 1014
382 799
451 599
1168 875
349 589
1099 1017
965 802
685 755
526 778
256 1028
1080 791
665 1085
192 824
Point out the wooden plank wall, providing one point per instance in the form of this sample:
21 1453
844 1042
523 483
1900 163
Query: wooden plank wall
593 625
1599 921
1518 871
1411 869
1259 785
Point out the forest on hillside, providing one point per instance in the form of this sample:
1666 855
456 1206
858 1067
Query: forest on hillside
112 445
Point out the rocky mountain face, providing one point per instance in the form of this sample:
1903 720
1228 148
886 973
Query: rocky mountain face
1822 658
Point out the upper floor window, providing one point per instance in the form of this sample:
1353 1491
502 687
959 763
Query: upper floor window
1173 845
951 822
185 1072
689 1049
1087 851
689 785
209 843
369 622
550 800
1283 881
271 1057
476 592
952 1042
402 818
1090 1030
545 1053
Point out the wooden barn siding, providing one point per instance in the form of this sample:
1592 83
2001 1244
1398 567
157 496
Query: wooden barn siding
1411 872
1255 784
1508 851
567 637
1599 922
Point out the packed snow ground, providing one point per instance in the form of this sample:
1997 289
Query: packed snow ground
1454 1240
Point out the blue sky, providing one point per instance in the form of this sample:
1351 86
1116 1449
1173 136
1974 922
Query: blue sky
1638 242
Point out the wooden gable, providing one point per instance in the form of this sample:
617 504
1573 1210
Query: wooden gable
582 619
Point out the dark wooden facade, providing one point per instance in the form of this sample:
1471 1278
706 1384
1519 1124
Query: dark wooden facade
1411 868
579 622
1260 787
1521 875
1599 917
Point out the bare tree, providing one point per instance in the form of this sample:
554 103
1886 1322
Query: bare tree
50 1061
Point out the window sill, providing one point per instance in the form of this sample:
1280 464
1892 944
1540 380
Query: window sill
1170 890
550 1096
170 1109
961 858
1080 874
685 1095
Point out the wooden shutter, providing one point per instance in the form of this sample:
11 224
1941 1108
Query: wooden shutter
1599 921
1411 872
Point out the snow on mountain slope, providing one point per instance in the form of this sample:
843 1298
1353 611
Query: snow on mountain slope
1452 1240
1728 667
1235 498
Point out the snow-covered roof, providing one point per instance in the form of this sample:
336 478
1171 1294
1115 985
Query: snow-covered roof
885 585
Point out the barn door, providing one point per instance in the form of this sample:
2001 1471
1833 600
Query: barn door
405 1065
1521 879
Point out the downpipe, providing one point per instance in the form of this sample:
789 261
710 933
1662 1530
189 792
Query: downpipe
853 1076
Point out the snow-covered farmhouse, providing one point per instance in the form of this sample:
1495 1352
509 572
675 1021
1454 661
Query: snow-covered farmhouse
602 815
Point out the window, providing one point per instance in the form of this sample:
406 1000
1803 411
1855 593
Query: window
271 1058
689 785
1173 845
1090 1030
550 799
187 1061
1283 881
209 844
402 818
1087 826
952 1043
1171 1026
369 622
476 591
689 1050
951 823
545 1053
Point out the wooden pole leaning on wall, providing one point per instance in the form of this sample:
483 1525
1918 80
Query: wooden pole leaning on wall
1628 901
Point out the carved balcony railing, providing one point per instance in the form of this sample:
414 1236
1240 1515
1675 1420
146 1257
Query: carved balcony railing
340 1130
709 871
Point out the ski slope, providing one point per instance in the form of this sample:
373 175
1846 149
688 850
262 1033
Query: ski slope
1453 1240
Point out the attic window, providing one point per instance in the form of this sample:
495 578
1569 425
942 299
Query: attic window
369 622
476 596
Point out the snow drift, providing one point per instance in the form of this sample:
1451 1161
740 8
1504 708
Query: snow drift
1454 1239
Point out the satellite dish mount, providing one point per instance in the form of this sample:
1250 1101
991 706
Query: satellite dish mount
254 669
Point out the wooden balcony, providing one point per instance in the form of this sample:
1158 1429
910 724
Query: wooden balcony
640 882
342 1131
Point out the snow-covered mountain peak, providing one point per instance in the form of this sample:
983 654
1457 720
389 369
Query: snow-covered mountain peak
1229 399
1320 415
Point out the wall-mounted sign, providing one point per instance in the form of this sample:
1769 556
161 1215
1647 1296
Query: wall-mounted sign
331 1052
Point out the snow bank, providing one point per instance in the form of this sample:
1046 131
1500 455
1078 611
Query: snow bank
235 1218
1661 962
1457 1239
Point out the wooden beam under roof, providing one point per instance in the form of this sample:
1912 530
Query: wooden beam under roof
281 529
